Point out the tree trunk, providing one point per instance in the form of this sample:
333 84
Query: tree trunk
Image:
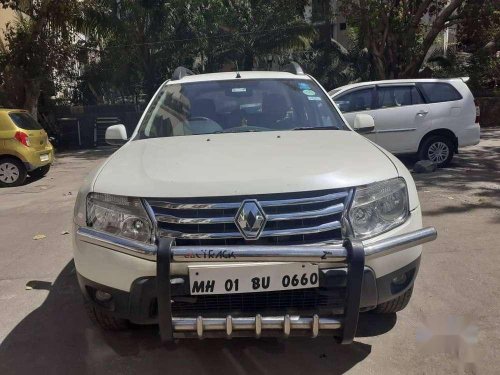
31 96
248 60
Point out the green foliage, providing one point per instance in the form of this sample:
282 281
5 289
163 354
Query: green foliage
482 41
137 44
399 33
39 46
335 65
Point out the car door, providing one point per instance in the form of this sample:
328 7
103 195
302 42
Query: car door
401 116
358 100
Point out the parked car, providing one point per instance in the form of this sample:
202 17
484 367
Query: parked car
428 117
24 148
244 205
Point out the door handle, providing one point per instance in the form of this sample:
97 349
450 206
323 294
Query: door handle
422 113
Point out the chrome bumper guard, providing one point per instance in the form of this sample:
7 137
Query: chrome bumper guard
351 252
255 324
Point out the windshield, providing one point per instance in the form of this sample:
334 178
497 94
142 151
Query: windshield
239 106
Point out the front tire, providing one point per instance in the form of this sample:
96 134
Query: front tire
396 304
105 320
12 172
438 149
40 172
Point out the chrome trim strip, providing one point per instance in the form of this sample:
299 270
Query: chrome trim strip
119 244
330 210
267 233
395 130
235 205
256 324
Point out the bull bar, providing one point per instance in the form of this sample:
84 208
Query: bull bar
351 252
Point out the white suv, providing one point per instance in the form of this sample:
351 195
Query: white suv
243 204
428 117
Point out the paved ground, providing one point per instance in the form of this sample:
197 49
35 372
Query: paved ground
43 328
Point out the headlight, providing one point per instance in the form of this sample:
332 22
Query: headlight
121 216
378 207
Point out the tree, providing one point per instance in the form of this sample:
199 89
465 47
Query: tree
39 48
482 41
399 33
146 40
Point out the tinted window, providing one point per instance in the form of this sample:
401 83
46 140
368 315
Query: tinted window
359 100
238 106
397 96
440 92
24 121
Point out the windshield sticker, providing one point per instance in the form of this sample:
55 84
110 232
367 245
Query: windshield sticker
309 92
239 89
313 98
304 86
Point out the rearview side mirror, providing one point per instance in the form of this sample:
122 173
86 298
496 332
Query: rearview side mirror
364 123
116 135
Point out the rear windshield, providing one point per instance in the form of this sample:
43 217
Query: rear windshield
24 121
238 105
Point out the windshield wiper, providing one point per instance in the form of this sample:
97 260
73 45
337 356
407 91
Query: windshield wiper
333 127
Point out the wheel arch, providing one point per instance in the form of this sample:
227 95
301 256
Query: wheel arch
440 132
11 156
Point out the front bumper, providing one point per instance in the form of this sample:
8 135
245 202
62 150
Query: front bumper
351 254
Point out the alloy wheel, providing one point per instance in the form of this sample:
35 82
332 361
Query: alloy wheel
9 173
438 152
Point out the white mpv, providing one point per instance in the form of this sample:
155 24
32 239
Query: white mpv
428 117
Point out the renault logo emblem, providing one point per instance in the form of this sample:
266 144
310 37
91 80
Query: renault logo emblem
250 219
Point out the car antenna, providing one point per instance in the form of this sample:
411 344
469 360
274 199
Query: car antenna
237 71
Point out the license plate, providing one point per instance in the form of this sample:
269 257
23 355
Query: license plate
231 279
44 157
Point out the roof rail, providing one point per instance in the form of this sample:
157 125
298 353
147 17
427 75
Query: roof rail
180 72
293 68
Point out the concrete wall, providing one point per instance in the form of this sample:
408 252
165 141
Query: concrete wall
6 16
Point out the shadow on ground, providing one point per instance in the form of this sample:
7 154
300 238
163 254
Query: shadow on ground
57 338
87 154
474 173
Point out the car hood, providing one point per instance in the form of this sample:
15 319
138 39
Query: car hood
243 164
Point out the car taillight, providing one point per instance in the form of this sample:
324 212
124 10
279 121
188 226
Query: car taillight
23 138
478 111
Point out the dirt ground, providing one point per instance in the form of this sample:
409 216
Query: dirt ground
43 327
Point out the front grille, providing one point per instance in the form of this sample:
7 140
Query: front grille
280 302
292 218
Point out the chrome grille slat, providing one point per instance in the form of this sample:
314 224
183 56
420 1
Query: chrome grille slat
235 205
194 220
266 233
274 217
299 218
335 209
